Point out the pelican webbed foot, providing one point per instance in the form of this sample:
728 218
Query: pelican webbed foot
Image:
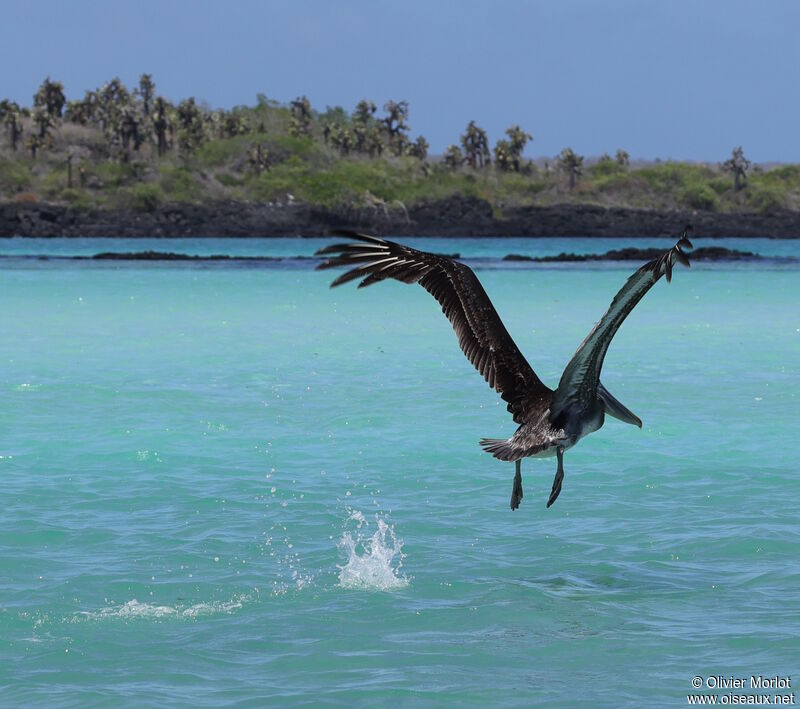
516 490
559 478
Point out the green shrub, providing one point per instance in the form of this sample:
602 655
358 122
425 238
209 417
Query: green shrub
604 168
670 175
278 148
70 194
77 199
221 151
699 195
512 188
225 178
145 197
785 173
344 181
14 176
53 183
766 198
720 184
177 185
113 174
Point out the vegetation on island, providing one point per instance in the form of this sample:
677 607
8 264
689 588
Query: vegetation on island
122 147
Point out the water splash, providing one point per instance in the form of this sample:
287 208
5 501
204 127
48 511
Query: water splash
369 558
290 571
134 609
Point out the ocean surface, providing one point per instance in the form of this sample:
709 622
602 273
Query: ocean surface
233 486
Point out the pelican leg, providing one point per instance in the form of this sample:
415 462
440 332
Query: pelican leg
516 491
559 478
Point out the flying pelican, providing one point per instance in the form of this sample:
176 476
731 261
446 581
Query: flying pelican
550 422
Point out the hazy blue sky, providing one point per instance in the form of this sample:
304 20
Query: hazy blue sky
682 79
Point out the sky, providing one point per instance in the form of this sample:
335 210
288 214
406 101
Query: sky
668 79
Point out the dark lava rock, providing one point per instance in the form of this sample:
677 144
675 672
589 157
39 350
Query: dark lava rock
453 216
143 256
172 256
704 253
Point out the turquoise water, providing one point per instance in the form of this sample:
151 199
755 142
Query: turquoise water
287 247
235 486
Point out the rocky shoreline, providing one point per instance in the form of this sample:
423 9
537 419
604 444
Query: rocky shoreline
455 216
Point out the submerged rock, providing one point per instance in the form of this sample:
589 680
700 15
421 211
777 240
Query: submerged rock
146 256
172 256
632 253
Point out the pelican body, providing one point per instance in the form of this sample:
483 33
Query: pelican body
551 421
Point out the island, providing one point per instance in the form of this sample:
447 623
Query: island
127 161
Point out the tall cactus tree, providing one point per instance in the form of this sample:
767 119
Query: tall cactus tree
300 122
44 121
738 165
12 120
130 132
364 113
84 111
111 99
571 164
33 142
147 89
161 124
342 138
517 139
453 157
508 153
396 126
476 146
419 148
373 142
234 123
75 112
364 124
191 134
502 156
113 103
50 97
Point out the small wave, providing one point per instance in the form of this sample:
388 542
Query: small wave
369 559
133 609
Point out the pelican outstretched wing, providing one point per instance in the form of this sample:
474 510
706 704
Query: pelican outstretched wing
481 334
579 382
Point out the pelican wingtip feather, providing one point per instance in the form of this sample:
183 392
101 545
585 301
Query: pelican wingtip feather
675 254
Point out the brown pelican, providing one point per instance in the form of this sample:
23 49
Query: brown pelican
550 421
